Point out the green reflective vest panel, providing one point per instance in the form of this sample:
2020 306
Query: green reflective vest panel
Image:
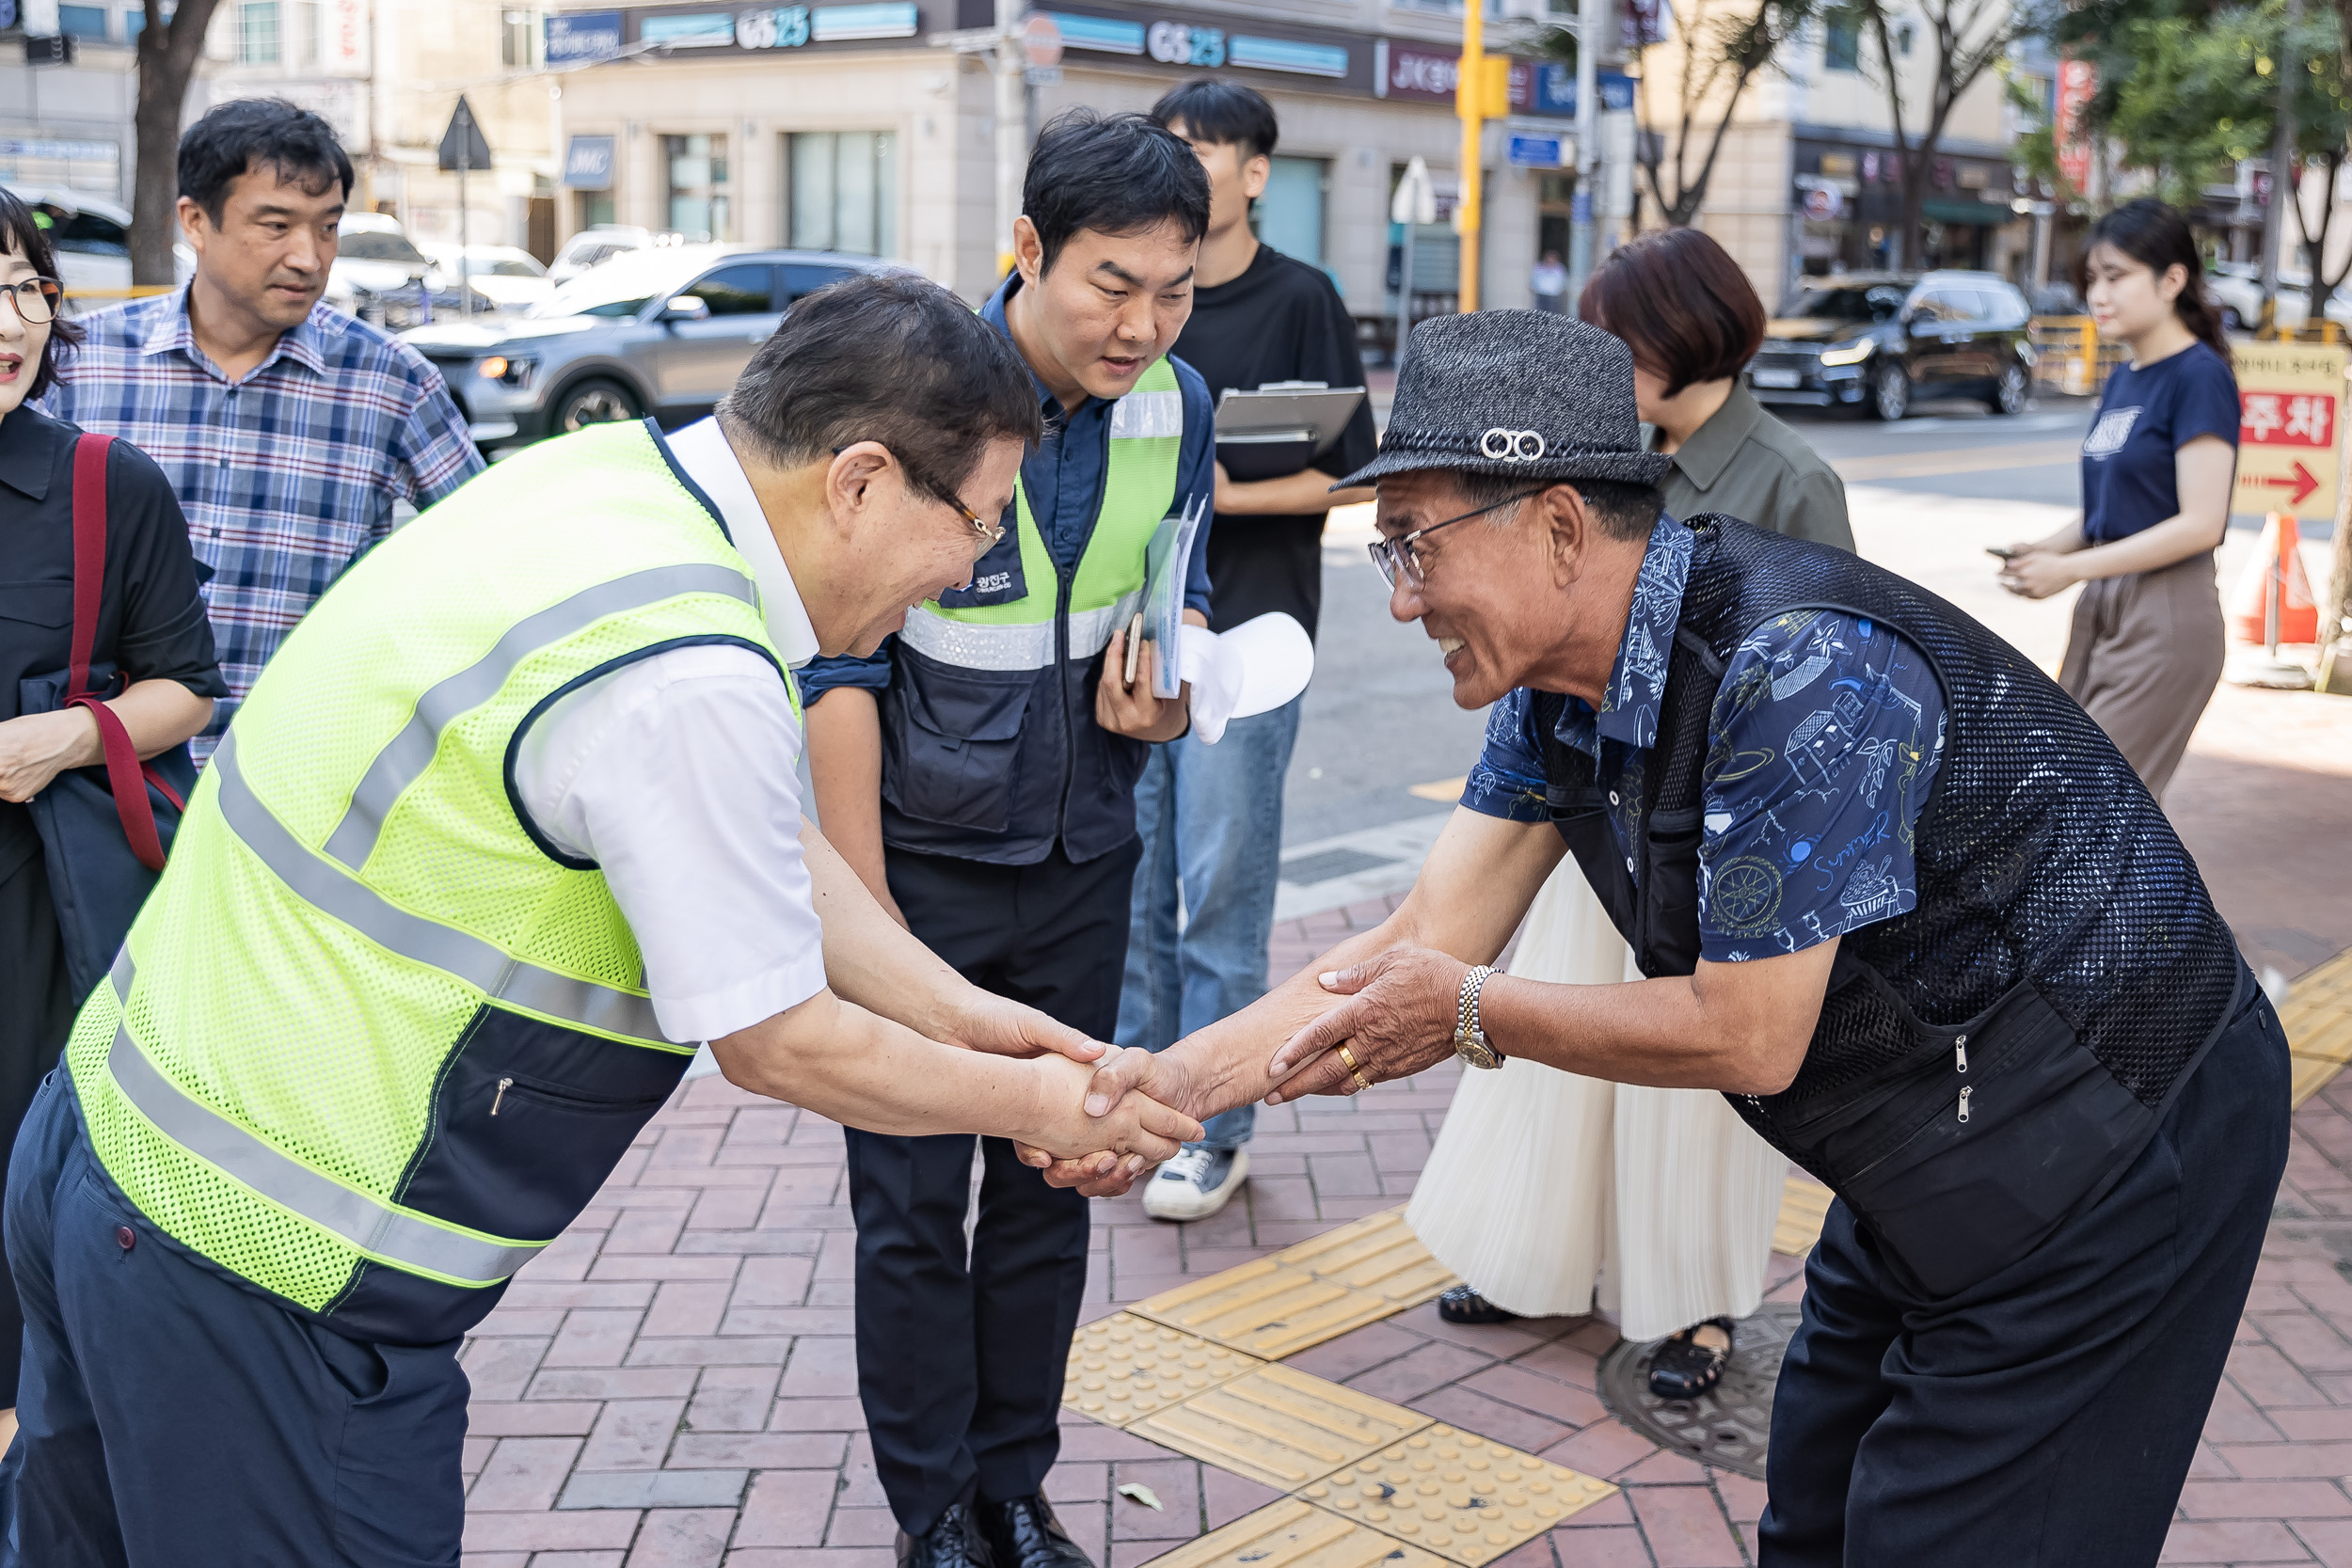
1146 443
367 1037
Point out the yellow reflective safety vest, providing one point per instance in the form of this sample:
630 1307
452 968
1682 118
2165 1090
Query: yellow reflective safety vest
989 748
372 1043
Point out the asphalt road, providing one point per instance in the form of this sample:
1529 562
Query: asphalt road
1380 718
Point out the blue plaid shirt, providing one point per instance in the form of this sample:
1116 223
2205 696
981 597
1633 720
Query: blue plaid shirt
285 474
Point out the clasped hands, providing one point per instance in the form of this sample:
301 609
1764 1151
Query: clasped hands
1395 1017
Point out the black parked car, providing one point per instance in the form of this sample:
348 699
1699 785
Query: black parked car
1876 339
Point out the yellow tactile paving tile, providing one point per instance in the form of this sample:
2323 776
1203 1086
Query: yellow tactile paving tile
1264 1310
1360 1272
1282 1427
1378 1253
1464 1497
1123 1368
1291 1534
2318 1022
1804 1204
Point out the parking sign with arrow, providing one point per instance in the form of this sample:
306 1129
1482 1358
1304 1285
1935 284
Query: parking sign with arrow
2290 406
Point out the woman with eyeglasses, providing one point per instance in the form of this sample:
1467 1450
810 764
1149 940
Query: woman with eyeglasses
1654 1205
149 626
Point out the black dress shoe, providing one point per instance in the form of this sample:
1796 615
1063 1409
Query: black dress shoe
1024 1533
1462 1304
955 1542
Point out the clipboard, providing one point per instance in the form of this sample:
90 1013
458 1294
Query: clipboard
1282 427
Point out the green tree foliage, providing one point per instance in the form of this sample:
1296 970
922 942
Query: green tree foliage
2188 91
2202 93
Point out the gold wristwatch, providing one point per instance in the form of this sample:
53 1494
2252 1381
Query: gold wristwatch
1469 1040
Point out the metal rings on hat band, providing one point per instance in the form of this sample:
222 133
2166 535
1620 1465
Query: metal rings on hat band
1511 446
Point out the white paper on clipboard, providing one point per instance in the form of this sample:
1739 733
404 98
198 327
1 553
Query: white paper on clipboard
1168 566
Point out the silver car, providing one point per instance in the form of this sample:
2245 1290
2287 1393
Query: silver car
663 331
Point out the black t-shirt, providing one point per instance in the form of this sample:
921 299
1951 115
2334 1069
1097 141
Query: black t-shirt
150 620
1282 320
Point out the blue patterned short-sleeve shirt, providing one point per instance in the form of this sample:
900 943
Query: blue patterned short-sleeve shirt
1825 737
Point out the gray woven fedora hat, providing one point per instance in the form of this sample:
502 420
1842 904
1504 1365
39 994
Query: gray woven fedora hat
1519 393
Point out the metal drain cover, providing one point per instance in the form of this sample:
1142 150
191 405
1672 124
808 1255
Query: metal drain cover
1727 1425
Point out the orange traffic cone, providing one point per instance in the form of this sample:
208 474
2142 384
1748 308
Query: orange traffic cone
2299 608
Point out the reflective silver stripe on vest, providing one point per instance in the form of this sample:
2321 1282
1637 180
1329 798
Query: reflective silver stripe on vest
404 760
1147 414
1091 630
375 1227
1024 645
334 892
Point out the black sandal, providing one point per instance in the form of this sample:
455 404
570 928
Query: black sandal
1462 1304
1682 1369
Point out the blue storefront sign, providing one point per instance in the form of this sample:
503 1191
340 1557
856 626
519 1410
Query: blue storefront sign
693 30
588 163
1555 89
575 37
1539 151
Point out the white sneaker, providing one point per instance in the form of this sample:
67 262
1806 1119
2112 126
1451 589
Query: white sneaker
1197 1183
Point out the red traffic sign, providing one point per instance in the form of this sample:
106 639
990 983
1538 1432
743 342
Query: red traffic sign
1041 40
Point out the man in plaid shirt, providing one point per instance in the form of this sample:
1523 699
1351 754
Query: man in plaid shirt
288 427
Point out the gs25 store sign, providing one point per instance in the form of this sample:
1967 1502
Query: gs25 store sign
1179 44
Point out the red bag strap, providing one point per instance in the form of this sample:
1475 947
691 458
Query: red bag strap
128 781
89 554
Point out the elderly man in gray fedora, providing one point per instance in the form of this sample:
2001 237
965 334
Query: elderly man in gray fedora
1895 896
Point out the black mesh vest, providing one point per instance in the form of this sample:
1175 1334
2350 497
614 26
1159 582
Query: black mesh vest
2061 970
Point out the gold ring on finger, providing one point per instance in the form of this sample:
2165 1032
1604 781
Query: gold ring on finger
1347 1060
1362 1082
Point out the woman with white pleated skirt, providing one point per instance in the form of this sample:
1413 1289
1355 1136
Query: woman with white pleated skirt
1551 1195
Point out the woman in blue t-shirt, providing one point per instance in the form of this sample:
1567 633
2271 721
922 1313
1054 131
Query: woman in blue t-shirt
2146 647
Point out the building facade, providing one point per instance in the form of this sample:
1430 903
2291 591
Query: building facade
389 77
858 127
1809 181
67 128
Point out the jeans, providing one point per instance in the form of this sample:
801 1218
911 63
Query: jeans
1211 817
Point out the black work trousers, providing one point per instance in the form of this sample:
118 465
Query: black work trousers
960 1354
2045 1417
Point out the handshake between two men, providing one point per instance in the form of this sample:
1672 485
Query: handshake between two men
899 1042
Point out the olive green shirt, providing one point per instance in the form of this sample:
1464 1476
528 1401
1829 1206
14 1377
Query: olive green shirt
1748 465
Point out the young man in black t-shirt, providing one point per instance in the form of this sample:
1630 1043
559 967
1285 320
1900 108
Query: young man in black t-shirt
1211 815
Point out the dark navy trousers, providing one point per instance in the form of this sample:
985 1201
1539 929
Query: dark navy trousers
170 1417
962 1348
2045 1417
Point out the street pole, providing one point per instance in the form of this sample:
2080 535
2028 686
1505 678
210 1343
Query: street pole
1012 127
1588 12
1415 203
1470 102
465 236
2282 170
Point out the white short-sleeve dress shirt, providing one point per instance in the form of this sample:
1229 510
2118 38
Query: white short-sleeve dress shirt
676 775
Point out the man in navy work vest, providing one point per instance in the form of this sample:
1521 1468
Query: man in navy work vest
980 777
1894 895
